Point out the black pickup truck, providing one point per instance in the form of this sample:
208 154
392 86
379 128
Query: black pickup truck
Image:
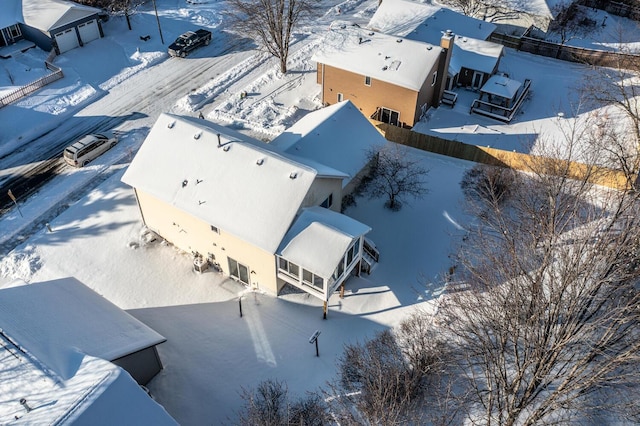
189 41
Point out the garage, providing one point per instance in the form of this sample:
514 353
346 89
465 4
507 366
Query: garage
67 40
89 31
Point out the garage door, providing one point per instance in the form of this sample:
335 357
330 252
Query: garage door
89 31
67 40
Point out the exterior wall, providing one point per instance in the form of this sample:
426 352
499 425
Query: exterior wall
193 235
142 365
321 189
42 40
426 95
369 98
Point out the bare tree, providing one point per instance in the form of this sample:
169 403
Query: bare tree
270 22
618 88
395 174
548 330
392 378
269 405
570 21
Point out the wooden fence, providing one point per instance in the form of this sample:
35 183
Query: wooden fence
614 8
600 58
56 74
515 160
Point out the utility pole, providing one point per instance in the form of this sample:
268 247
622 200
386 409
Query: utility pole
158 19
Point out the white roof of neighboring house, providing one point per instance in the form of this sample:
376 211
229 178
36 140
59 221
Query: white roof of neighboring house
501 86
181 164
335 231
96 392
395 60
11 13
47 15
426 22
474 54
338 136
51 317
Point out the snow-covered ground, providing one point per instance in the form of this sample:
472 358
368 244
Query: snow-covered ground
211 353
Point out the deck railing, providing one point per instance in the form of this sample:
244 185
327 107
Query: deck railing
500 112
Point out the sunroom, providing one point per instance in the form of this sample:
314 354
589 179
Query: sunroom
320 251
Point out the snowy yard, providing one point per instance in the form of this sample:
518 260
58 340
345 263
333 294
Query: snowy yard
211 353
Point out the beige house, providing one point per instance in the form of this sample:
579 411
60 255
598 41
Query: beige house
246 207
391 79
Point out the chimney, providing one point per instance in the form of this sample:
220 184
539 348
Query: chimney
446 43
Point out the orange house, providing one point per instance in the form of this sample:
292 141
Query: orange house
389 78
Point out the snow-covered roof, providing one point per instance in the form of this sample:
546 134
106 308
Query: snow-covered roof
50 318
96 393
47 15
10 13
395 60
338 136
426 22
502 86
319 238
197 167
474 54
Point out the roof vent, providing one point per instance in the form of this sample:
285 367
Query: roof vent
184 183
197 135
171 124
219 142
385 68
371 33
226 148
260 161
359 40
429 47
293 175
399 40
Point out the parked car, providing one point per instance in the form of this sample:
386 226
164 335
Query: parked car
87 148
189 41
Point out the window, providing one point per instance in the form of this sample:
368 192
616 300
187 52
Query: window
238 271
340 97
435 78
389 116
312 279
350 256
215 229
328 202
15 31
339 270
367 81
290 268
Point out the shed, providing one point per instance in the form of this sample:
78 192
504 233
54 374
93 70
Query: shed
56 316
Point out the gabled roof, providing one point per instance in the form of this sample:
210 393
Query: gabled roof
338 136
319 238
402 62
10 13
47 15
96 393
63 314
474 54
196 167
425 22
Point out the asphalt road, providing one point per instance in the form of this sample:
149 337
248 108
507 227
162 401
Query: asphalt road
132 104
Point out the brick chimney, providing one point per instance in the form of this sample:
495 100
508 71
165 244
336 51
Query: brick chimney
446 44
